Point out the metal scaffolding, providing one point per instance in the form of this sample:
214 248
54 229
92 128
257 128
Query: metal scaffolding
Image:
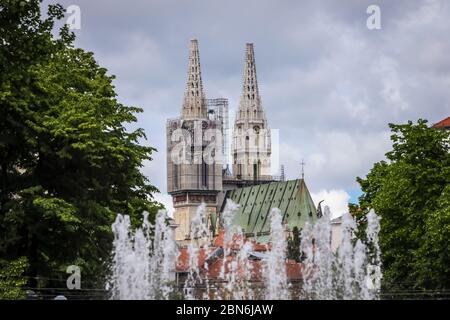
218 110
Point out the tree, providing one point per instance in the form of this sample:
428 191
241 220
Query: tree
411 192
68 163
293 245
12 280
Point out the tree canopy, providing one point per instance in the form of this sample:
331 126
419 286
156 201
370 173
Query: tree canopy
411 193
68 163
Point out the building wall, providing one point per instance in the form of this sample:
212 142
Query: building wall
336 234
183 216
251 149
187 167
251 144
194 151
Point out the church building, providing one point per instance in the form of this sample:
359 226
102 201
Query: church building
198 173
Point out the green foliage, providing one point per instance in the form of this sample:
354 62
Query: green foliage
411 194
293 245
360 217
11 279
68 164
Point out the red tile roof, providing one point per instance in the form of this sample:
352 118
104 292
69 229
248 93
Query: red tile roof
234 243
294 269
443 123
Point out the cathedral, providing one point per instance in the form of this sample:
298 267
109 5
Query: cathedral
202 169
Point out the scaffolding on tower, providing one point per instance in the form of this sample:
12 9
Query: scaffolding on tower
218 110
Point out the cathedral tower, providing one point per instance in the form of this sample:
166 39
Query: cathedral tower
194 105
194 174
251 146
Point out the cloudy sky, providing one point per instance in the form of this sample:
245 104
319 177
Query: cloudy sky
327 82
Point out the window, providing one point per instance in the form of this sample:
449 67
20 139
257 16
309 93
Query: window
175 176
204 174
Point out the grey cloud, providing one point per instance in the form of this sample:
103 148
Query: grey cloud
327 82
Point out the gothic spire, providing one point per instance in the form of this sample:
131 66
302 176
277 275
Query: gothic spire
250 102
194 105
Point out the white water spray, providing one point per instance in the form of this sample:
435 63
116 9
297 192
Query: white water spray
275 264
353 272
198 241
143 260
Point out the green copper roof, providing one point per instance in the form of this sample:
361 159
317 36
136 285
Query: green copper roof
255 202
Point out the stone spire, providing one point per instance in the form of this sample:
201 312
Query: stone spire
250 104
251 146
194 105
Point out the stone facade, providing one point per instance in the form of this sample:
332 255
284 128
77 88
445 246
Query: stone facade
193 174
251 145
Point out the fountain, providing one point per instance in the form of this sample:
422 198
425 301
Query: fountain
236 269
353 272
144 260
275 264
199 242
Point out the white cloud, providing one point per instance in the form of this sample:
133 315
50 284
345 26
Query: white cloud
336 200
166 200
336 158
